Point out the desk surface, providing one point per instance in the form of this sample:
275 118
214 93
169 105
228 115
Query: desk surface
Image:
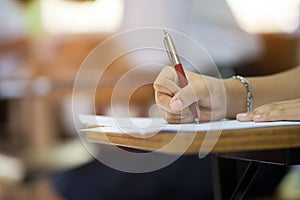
253 139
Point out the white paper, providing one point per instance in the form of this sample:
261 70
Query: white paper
142 125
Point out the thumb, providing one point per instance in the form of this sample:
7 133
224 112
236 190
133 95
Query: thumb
183 99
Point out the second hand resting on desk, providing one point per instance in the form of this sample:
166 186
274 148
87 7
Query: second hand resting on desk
175 60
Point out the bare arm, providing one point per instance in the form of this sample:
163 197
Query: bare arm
265 89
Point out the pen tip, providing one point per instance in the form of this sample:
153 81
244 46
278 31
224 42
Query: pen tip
197 120
165 31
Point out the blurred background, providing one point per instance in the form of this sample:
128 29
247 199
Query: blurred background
44 42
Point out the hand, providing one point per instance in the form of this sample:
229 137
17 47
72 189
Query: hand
276 111
208 92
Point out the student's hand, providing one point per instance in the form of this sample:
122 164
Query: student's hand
175 100
276 111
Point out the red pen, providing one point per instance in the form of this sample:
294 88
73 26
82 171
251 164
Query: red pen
174 58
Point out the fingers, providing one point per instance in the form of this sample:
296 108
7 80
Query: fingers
259 116
163 100
175 101
182 117
166 87
245 117
171 116
276 111
183 99
166 82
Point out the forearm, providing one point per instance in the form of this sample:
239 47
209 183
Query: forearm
277 87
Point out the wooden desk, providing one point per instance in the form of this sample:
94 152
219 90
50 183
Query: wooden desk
229 140
275 145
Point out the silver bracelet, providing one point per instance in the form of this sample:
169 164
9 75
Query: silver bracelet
249 90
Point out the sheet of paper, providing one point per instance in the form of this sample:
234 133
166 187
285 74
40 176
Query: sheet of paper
153 125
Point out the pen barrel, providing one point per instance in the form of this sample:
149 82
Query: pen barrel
181 75
183 82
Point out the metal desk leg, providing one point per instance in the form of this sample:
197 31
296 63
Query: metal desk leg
225 178
245 181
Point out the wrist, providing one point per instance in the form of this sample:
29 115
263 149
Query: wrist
236 94
248 87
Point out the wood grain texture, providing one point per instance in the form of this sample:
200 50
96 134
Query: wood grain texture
228 141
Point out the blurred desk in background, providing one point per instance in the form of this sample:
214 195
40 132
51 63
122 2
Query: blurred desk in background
280 52
38 100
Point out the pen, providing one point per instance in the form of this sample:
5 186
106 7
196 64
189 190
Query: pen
174 58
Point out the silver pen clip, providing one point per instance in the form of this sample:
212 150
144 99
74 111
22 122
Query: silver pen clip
170 47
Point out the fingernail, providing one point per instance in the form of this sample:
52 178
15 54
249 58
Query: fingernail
256 117
241 115
176 105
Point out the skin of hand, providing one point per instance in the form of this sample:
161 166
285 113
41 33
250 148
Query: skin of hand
275 111
208 92
215 95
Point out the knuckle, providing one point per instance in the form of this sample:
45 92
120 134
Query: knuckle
172 118
160 99
157 86
172 121
167 69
